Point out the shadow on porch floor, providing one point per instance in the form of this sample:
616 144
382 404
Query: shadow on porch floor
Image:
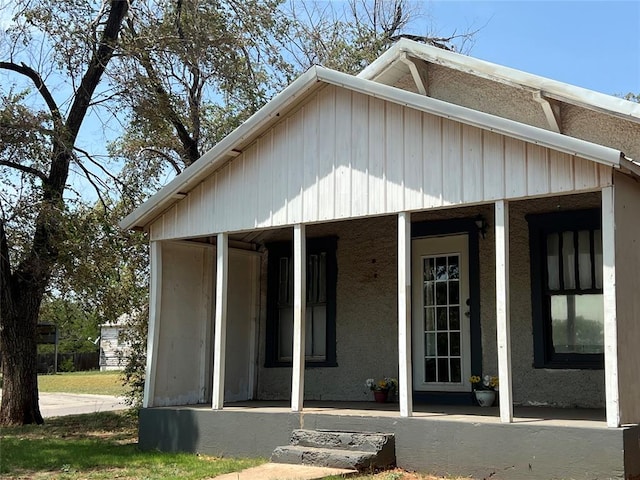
574 417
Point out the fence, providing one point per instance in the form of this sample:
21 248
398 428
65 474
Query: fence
68 362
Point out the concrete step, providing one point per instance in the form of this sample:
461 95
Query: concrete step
360 441
324 457
354 450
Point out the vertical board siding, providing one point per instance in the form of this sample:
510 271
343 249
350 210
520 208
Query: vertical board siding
310 162
360 156
377 176
265 180
344 154
537 170
413 193
472 168
326 154
280 165
296 145
515 171
394 156
205 212
236 198
586 173
432 159
561 172
251 181
493 165
451 162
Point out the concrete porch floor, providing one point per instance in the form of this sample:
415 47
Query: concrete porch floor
574 417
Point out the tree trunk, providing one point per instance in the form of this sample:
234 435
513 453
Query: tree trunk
19 368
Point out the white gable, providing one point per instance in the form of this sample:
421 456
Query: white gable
345 154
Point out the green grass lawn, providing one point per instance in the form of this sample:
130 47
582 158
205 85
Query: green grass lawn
98 383
104 445
98 446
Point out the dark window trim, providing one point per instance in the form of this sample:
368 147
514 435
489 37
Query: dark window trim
469 227
541 224
280 249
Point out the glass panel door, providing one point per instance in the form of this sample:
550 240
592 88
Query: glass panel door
441 318
441 342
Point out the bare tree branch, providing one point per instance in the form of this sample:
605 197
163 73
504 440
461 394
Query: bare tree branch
188 144
90 178
39 83
167 157
89 157
24 168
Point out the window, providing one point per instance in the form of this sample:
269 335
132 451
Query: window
321 304
566 286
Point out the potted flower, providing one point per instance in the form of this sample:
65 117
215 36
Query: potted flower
484 389
381 388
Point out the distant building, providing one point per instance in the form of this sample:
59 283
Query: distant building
113 346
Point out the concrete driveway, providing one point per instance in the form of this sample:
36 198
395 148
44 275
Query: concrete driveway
60 404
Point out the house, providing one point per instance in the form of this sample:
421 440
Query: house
113 345
435 217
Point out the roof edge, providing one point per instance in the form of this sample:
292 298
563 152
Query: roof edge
555 89
222 151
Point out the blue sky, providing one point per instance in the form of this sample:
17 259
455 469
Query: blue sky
593 44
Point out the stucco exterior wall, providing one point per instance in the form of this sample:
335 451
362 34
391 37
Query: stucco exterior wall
627 199
182 350
366 323
535 386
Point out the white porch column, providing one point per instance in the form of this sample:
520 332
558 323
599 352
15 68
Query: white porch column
502 310
299 310
155 289
404 314
220 329
612 393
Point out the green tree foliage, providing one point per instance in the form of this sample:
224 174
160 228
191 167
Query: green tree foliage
63 44
192 71
77 330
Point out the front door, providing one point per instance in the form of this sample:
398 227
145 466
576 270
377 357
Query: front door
440 299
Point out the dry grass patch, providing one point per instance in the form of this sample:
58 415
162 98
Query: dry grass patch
395 474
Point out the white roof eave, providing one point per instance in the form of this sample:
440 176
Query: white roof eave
553 89
223 151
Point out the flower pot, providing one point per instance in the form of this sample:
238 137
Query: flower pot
485 398
381 395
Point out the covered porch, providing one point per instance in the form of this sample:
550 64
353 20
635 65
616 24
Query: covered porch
381 303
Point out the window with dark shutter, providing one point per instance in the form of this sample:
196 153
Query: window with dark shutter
320 311
566 285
